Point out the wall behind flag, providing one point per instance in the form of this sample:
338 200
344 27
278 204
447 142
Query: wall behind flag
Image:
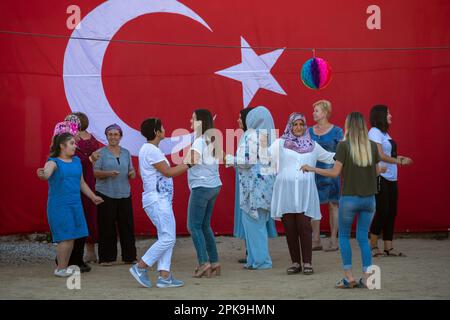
143 79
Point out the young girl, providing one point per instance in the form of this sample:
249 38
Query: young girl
64 209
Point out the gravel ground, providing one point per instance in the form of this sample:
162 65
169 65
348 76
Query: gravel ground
26 273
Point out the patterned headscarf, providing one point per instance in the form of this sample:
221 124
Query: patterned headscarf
66 127
73 118
303 144
114 126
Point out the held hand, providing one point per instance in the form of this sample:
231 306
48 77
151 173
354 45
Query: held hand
114 173
406 161
306 168
40 173
97 200
132 174
383 169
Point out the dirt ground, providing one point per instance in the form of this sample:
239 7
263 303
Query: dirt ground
423 274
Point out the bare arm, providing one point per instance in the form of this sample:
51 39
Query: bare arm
46 172
170 172
333 172
88 192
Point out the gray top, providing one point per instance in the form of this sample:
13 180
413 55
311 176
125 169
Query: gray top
119 186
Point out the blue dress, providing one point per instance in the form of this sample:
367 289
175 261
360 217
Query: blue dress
329 189
64 209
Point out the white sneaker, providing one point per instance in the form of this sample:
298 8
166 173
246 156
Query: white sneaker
64 273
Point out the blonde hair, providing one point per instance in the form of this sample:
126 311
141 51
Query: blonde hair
358 139
325 105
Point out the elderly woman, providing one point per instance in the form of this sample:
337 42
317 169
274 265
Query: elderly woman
328 136
113 169
255 185
295 199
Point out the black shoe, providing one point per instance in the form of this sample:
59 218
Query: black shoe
242 260
84 267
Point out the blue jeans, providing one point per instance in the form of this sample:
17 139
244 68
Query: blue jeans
364 208
200 209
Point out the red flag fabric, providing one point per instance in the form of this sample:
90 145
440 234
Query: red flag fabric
130 60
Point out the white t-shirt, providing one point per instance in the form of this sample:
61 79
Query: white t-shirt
156 185
206 172
377 136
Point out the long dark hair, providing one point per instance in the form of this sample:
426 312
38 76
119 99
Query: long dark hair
378 117
55 148
206 118
244 113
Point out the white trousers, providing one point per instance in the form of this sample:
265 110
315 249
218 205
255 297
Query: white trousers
161 214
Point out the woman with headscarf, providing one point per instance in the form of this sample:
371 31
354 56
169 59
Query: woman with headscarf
238 230
255 185
113 170
295 198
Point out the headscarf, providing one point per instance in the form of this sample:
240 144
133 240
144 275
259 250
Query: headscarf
114 126
303 144
73 118
260 118
65 127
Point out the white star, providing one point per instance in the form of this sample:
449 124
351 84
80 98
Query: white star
254 72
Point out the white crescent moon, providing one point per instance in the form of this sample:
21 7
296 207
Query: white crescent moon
83 59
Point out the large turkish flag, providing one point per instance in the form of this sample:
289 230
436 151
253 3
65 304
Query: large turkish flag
44 77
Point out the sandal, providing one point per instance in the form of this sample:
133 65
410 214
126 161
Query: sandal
308 270
361 284
377 253
393 253
331 249
295 268
345 284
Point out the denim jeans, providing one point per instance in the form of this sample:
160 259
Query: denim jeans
200 209
349 208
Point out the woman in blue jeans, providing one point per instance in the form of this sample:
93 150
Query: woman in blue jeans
204 183
357 161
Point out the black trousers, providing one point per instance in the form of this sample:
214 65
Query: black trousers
386 209
76 257
115 215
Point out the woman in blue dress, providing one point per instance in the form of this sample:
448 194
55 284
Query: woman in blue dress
64 209
328 136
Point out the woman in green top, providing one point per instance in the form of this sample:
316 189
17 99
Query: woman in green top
357 161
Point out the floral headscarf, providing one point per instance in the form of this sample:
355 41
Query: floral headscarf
65 127
73 118
303 144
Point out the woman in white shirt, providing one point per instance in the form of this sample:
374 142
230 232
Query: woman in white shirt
204 184
295 199
386 198
156 174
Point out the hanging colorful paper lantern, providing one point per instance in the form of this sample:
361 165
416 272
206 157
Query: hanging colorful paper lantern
316 73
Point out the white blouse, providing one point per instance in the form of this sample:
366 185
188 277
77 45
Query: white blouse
295 191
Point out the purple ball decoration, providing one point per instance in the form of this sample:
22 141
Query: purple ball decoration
316 73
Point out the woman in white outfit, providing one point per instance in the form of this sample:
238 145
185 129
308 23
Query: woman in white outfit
295 199
156 175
